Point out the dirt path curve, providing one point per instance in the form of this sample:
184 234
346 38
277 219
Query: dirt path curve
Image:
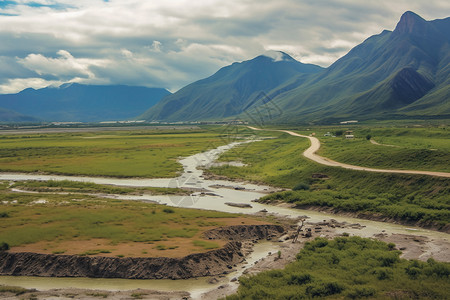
315 145
378 144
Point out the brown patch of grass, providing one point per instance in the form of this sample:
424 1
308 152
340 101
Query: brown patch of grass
169 247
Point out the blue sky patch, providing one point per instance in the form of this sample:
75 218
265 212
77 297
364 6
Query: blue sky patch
4 4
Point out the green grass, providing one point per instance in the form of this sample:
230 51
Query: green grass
414 148
79 217
13 289
269 161
89 187
205 244
118 154
279 162
94 252
349 268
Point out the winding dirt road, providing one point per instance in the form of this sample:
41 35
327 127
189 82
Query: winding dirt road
315 146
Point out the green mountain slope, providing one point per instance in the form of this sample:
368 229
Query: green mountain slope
403 73
232 90
390 75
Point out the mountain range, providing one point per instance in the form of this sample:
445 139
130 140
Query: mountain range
403 73
78 102
399 74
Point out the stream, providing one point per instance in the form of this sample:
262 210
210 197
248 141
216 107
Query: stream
211 195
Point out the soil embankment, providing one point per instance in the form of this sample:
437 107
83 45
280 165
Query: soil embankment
214 262
373 216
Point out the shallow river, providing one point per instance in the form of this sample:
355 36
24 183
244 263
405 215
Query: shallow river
215 194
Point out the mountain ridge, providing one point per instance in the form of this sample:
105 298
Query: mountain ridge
404 72
239 84
85 103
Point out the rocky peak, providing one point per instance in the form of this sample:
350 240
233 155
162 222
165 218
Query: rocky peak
411 23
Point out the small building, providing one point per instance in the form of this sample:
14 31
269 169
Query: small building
349 136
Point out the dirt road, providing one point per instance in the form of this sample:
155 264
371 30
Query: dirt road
315 146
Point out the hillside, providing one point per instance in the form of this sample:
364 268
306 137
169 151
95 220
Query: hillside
8 116
397 74
77 102
232 90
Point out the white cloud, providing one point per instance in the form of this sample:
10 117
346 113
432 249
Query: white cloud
172 43
12 86
65 66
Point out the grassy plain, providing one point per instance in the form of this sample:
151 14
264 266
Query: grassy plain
139 153
68 186
353 268
86 225
400 148
279 162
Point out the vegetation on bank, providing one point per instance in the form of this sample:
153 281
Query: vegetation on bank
69 186
139 153
349 267
49 223
398 148
279 162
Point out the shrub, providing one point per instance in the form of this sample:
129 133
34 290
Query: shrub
301 186
168 210
320 289
299 279
383 273
361 292
4 246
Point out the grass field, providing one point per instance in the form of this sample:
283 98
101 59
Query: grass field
401 148
86 225
349 268
68 186
149 153
280 162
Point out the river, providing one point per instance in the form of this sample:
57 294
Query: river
215 194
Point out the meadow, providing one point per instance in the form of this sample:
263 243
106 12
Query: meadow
399 148
87 225
349 268
138 153
68 186
423 200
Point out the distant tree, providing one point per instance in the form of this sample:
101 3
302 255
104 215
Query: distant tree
339 132
368 137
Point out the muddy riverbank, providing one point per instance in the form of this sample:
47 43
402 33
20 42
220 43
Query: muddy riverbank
367 215
214 262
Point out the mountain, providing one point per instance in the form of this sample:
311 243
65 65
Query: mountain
397 74
404 73
8 116
85 103
232 90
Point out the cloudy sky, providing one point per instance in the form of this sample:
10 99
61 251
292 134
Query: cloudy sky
170 43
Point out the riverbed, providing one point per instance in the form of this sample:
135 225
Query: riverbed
212 195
